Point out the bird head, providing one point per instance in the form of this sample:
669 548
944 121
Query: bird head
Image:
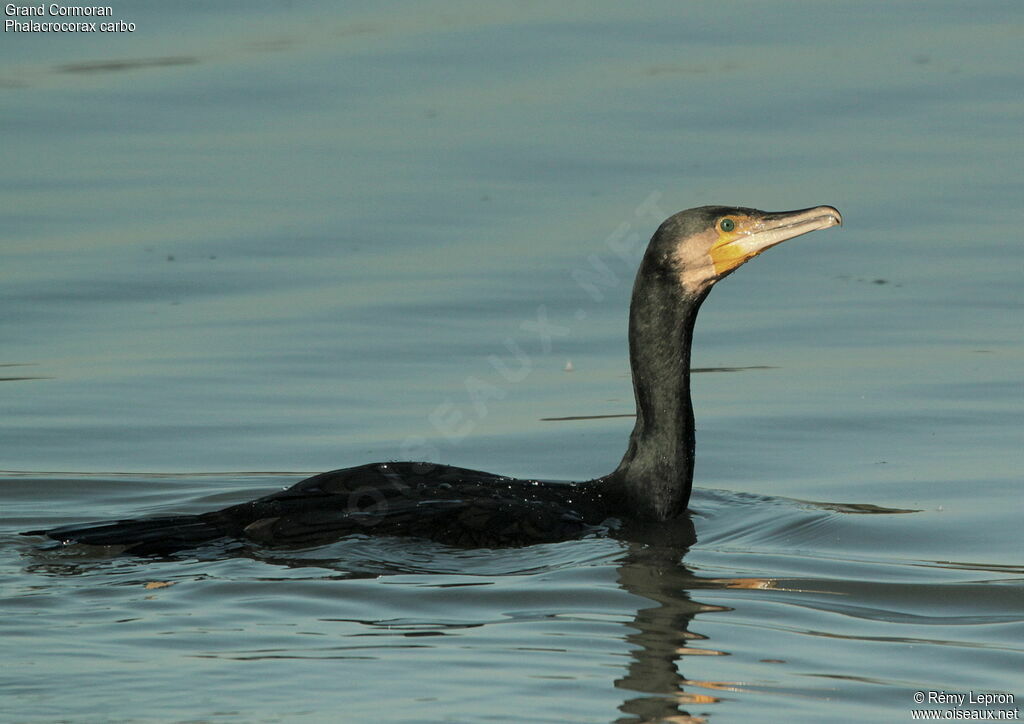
700 246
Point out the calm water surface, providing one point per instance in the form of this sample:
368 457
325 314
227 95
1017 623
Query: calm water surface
251 241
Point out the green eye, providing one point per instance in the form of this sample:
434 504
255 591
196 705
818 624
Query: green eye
727 225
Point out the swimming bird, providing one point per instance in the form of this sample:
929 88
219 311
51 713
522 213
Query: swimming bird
689 253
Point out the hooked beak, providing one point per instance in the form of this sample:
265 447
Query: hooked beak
752 234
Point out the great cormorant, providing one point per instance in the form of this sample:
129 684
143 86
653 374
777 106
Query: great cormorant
687 255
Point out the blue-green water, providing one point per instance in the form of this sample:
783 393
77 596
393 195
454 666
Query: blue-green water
262 237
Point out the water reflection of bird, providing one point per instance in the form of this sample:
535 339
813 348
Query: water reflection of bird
687 255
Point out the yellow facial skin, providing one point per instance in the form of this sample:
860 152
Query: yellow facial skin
734 247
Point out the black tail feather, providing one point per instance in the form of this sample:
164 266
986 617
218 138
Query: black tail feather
141 536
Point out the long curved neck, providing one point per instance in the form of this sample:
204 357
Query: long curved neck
656 473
